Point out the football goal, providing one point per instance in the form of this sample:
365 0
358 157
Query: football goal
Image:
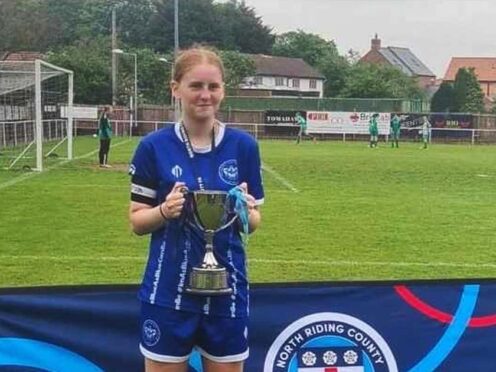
35 114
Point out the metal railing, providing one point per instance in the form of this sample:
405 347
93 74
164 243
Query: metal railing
123 128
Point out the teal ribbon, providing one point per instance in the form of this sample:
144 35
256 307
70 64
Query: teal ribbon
241 209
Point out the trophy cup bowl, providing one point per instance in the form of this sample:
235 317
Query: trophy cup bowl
211 211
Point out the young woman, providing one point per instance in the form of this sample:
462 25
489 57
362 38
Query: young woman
199 152
105 134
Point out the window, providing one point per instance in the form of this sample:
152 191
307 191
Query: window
279 81
258 80
296 83
313 84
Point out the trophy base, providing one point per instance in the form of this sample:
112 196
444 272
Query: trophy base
208 282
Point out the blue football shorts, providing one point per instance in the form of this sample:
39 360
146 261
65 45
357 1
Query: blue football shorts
169 336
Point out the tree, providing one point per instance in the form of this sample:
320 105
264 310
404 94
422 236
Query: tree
231 25
317 52
133 21
242 29
237 67
37 25
368 80
352 56
154 77
442 100
23 25
41 25
468 95
70 21
197 24
299 44
90 59
91 63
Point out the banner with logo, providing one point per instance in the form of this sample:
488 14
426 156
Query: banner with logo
448 123
448 120
278 117
327 327
346 122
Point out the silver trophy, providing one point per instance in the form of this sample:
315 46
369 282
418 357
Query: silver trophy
210 211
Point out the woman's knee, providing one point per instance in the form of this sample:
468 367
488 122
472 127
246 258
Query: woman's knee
210 366
153 366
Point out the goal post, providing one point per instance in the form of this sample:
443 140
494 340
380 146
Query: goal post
36 114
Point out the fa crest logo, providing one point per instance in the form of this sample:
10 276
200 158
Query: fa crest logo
151 333
228 172
329 341
177 171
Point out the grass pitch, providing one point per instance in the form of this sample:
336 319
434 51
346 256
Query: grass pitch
333 211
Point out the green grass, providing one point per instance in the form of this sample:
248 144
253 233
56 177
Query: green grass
333 211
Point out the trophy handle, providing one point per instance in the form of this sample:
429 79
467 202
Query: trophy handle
228 223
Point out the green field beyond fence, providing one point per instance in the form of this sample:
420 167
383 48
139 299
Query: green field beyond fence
333 211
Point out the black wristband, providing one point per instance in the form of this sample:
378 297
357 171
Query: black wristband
162 212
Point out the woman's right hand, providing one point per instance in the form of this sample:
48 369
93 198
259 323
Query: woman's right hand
174 201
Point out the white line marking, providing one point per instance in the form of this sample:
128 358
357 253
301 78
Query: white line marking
89 185
260 260
32 174
484 175
95 151
278 177
72 258
374 263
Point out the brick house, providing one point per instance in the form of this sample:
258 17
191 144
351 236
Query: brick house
401 58
484 68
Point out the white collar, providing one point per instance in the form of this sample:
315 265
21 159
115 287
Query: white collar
204 149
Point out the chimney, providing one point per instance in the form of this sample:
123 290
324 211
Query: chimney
376 43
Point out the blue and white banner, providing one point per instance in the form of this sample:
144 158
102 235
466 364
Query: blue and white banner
328 327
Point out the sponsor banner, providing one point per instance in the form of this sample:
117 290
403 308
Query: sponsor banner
454 121
282 117
80 112
345 122
328 327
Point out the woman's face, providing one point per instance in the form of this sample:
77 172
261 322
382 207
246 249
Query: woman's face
201 91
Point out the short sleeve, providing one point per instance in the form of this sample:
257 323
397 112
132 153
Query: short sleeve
144 179
254 172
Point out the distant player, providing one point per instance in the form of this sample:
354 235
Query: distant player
394 130
426 132
373 130
105 135
302 123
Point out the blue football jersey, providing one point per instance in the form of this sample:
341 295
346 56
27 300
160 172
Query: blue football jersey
160 161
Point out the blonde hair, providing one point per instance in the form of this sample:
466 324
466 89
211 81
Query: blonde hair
194 56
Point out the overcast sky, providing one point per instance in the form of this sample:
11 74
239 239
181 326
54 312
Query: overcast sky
435 30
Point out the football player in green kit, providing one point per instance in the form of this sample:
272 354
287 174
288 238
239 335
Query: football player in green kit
373 130
302 123
394 130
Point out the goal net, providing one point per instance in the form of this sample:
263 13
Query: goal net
35 114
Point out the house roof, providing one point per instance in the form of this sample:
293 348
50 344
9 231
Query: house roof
484 68
20 56
406 61
284 66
